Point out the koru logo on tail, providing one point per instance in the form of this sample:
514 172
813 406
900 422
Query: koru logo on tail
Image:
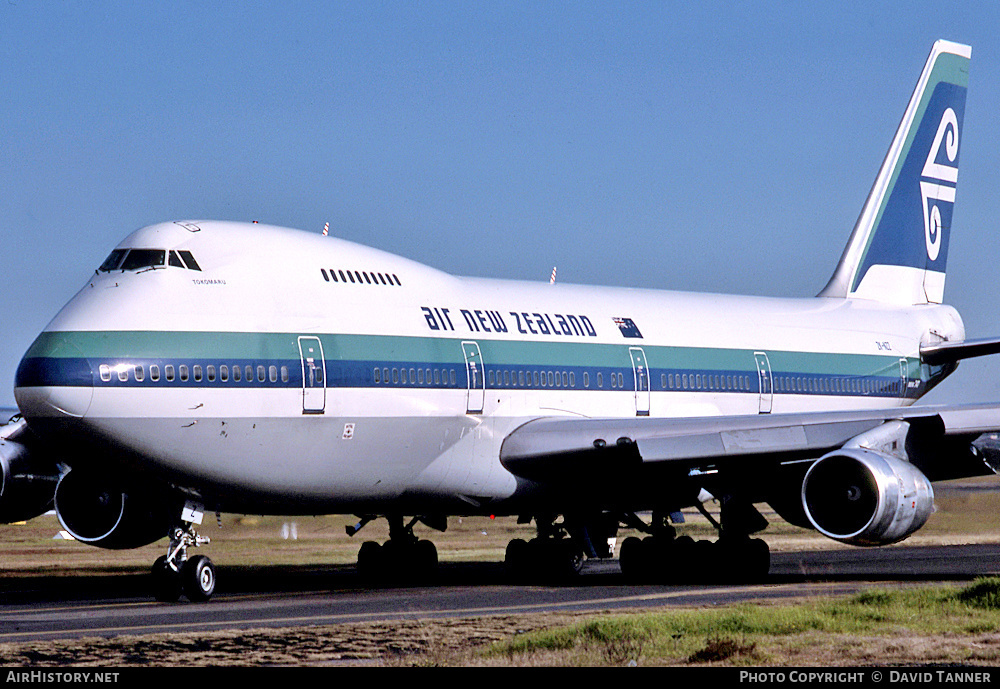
944 177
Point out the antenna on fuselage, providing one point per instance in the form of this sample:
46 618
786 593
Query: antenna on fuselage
326 229
552 280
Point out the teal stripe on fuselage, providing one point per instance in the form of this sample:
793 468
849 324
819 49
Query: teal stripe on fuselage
351 359
351 347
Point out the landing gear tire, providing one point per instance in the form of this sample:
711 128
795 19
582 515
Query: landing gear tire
631 559
166 582
516 559
198 578
397 562
553 559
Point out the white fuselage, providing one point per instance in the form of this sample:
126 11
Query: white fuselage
366 380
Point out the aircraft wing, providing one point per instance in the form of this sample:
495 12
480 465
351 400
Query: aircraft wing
927 436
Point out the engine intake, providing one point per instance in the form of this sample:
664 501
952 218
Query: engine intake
101 514
864 497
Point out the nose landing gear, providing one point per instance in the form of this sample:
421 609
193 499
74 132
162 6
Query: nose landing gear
174 573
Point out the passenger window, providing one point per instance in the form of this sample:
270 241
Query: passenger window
105 373
123 373
184 372
272 373
260 373
284 374
154 372
210 370
168 371
140 373
223 373
236 373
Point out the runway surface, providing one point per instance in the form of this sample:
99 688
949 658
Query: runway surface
60 607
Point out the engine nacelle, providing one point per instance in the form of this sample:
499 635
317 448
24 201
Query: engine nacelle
864 497
27 480
98 513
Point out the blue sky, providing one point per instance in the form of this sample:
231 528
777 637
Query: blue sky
706 146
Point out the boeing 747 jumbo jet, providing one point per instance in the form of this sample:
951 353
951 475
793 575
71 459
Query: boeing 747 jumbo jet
230 367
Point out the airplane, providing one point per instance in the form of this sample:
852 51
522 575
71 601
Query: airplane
247 368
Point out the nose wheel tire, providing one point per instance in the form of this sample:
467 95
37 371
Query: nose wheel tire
198 578
166 582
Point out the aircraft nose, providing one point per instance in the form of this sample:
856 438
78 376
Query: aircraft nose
54 379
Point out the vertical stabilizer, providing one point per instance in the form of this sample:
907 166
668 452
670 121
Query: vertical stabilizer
899 246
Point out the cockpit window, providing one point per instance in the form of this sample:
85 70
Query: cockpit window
189 259
144 258
139 259
113 260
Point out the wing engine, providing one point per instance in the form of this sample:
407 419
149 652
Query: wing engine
27 477
864 497
99 513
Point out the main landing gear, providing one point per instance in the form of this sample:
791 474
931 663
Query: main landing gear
174 573
404 558
664 557
553 555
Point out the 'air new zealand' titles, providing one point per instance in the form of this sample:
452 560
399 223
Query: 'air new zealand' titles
276 384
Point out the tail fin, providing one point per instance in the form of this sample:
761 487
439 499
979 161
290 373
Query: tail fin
899 246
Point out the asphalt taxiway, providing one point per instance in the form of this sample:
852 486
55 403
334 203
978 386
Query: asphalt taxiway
60 607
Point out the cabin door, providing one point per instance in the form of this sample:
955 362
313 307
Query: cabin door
764 380
641 373
904 378
476 377
313 375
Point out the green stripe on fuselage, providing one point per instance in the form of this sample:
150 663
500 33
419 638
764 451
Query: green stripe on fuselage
107 345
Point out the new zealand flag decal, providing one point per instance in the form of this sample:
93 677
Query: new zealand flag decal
628 328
